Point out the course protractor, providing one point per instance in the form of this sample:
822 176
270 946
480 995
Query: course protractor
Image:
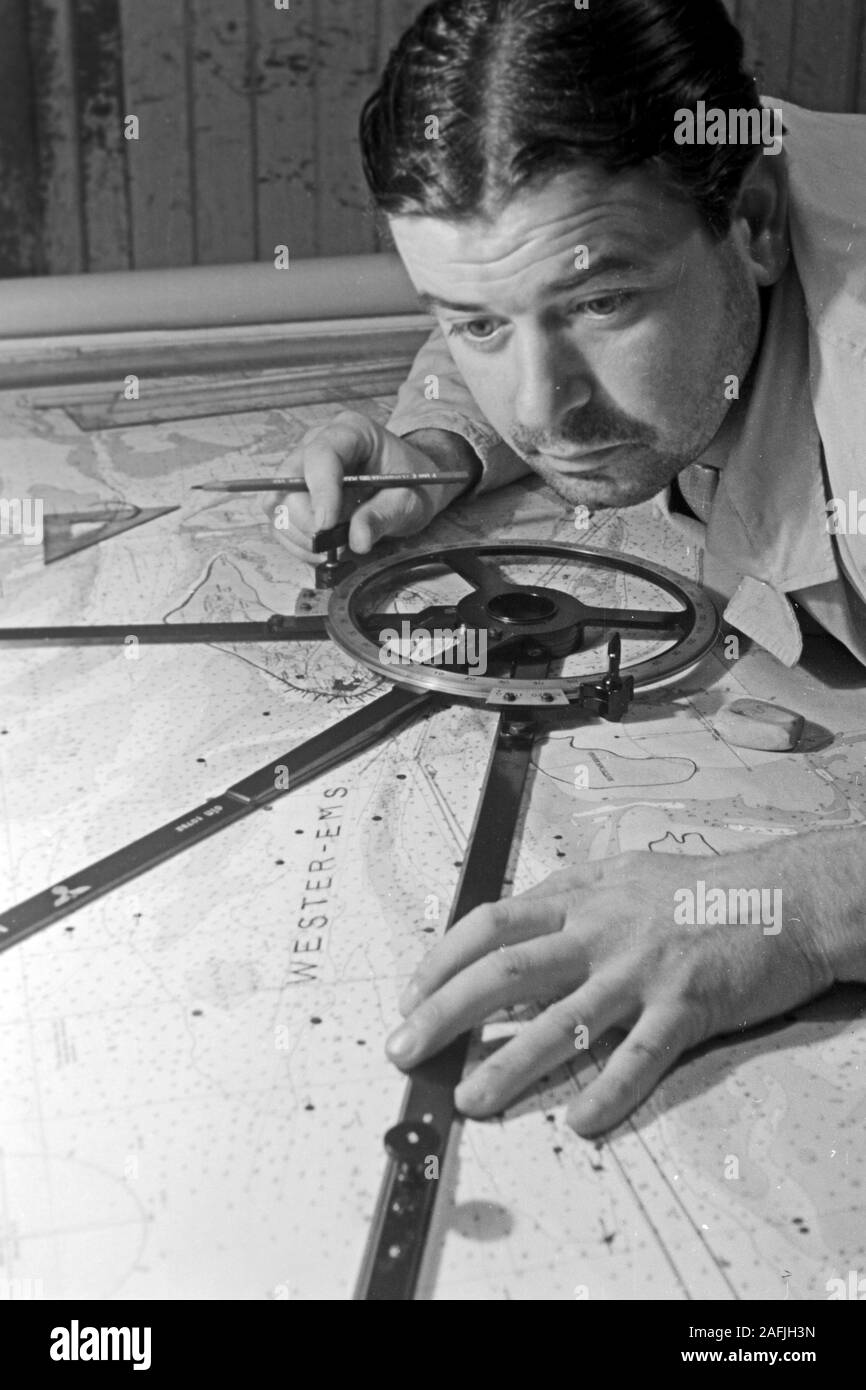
483 605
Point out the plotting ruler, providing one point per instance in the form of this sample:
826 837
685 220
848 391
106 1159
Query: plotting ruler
285 773
407 1196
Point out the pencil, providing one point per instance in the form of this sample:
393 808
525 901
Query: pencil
364 480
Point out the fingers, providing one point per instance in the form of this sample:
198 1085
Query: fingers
512 975
351 443
661 1034
565 1030
485 929
331 452
532 913
398 511
296 539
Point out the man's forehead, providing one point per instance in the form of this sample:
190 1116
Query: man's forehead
630 218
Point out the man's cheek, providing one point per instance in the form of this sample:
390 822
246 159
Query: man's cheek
669 365
650 384
490 382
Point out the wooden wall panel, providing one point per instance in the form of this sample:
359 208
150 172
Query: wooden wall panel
286 84
158 163
98 58
19 221
824 68
249 120
347 42
56 119
768 29
222 131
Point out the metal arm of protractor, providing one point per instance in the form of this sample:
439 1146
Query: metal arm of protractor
279 627
291 770
407 1197
307 625
333 746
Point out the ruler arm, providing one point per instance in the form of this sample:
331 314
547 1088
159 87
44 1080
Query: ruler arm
279 627
299 765
407 1197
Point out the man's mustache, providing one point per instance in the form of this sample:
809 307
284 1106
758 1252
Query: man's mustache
582 430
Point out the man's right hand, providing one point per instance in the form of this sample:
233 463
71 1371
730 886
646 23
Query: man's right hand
353 443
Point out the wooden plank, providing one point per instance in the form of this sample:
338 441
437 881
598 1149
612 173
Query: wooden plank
19 239
824 72
860 96
56 119
154 65
99 86
49 365
285 117
101 405
768 28
346 59
223 143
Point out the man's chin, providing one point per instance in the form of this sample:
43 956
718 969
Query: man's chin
608 487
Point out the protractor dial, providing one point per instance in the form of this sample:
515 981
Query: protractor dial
456 621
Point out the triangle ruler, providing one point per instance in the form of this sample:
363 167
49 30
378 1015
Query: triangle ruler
60 539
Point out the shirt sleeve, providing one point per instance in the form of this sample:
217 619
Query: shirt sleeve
435 396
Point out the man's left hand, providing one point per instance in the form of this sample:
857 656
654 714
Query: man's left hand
611 945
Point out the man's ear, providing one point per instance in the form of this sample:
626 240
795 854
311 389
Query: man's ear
760 218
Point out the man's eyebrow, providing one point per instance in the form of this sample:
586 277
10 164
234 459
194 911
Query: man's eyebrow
605 265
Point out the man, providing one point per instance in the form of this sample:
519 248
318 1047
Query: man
627 307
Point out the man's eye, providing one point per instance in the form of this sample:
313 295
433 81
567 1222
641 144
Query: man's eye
606 305
477 330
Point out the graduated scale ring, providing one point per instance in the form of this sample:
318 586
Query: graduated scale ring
553 618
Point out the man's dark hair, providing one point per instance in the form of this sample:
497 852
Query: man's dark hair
525 89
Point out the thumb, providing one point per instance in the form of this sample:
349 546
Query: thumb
399 511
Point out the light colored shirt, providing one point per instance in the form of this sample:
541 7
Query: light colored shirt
768 537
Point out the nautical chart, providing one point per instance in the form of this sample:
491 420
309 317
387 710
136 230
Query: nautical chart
193 1090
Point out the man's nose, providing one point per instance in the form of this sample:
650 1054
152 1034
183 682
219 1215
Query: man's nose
551 382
